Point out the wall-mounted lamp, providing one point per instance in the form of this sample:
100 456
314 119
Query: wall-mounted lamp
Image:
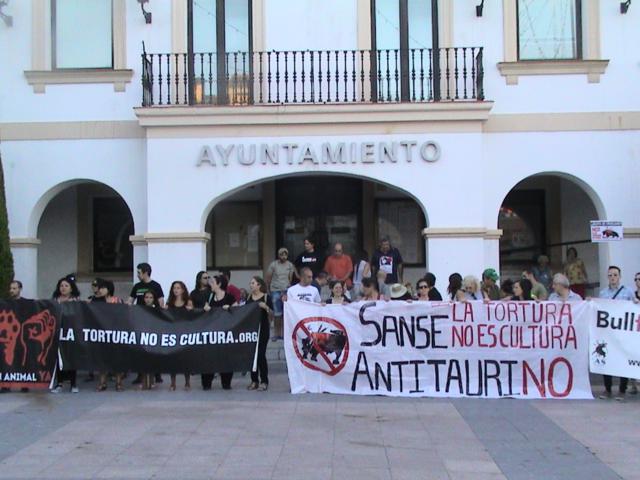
8 19
479 9
147 15
624 6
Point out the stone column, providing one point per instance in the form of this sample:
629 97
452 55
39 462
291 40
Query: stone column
25 264
176 256
465 250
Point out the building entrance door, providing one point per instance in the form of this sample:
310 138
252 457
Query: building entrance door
328 209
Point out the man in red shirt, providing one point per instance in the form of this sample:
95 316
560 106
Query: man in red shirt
339 265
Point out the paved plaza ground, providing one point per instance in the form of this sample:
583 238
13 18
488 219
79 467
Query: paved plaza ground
266 435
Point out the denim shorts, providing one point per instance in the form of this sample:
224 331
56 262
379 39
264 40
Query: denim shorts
276 299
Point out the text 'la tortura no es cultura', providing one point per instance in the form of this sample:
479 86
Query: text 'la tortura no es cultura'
327 154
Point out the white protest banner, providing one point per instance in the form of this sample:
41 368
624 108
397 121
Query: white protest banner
437 349
615 338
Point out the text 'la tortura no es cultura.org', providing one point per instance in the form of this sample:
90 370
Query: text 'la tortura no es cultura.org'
327 154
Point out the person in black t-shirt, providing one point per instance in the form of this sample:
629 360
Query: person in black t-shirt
145 284
143 270
309 258
220 299
434 294
201 294
387 259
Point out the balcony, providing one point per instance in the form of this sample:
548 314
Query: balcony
313 77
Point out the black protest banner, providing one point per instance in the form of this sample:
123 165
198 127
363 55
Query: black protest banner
29 342
120 338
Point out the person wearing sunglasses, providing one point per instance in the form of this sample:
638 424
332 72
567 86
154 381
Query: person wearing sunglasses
201 294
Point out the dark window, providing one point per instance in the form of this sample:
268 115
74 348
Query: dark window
549 29
112 226
219 45
235 237
81 34
402 221
404 35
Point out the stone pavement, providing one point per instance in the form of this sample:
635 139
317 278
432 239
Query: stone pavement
272 435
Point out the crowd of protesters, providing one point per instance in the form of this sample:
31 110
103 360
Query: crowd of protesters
336 279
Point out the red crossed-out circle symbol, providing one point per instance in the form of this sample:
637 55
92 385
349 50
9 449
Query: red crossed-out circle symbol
317 339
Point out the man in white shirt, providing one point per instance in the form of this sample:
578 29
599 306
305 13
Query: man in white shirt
615 291
304 290
561 290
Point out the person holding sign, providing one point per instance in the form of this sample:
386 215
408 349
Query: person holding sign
615 291
179 301
472 291
304 290
221 299
258 294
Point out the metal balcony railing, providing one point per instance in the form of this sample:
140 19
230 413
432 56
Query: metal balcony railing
313 77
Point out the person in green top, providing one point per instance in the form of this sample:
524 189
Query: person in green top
489 285
538 291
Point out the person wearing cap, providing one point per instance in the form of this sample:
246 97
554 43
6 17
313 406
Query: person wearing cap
489 286
278 279
397 291
561 290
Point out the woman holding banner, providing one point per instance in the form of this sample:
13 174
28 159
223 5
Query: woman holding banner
66 291
220 299
471 287
522 291
337 294
258 294
178 303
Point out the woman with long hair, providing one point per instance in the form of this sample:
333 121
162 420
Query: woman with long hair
337 293
104 293
220 299
201 294
179 301
66 291
258 294
456 294
576 272
361 270
522 290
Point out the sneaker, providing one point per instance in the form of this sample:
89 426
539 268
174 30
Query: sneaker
75 390
253 386
605 395
263 387
56 389
620 397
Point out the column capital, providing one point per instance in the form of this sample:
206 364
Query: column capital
24 242
462 232
173 237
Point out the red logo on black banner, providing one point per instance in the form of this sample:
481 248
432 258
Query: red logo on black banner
322 344
36 331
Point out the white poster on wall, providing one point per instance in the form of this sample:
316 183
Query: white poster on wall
602 231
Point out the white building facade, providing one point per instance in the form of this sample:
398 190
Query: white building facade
224 129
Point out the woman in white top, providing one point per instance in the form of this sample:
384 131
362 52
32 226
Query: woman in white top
361 270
